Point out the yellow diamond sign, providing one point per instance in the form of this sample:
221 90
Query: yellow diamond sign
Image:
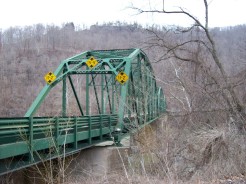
49 77
121 77
91 62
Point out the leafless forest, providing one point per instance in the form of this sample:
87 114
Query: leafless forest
28 53
204 83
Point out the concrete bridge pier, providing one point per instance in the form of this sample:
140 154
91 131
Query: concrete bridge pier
100 161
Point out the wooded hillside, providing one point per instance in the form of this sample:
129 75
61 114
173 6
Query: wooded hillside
28 53
204 138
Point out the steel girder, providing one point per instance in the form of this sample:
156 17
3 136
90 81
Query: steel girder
106 108
138 100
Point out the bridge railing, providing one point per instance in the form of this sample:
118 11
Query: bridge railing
20 136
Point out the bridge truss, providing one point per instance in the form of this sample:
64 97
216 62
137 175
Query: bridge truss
114 94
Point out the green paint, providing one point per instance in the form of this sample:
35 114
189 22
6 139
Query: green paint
122 108
64 94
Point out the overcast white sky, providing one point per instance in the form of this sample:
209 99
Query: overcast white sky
88 12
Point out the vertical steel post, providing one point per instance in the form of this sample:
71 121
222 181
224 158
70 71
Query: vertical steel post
145 95
109 99
113 88
87 92
129 99
148 97
31 156
110 123
139 91
75 133
134 94
64 94
101 120
152 97
57 134
102 94
89 125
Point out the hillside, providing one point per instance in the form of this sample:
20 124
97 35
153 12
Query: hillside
204 138
27 53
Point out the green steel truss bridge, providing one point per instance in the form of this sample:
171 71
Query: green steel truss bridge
116 95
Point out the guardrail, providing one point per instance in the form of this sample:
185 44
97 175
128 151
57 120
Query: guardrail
20 136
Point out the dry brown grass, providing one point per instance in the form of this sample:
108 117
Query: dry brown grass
205 154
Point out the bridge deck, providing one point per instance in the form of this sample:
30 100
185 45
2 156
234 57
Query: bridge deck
32 139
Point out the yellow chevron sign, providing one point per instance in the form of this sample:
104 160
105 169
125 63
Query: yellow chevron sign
121 77
91 62
49 77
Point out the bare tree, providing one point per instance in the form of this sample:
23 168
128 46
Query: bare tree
195 45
